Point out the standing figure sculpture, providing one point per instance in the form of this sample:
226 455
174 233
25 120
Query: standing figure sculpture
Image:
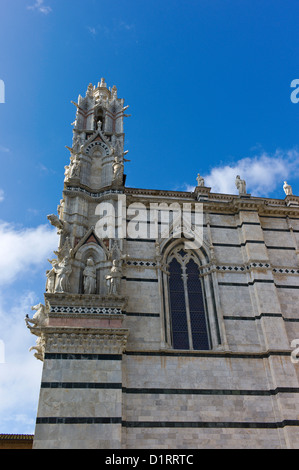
113 278
200 180
74 169
287 189
241 185
51 276
118 168
62 271
89 275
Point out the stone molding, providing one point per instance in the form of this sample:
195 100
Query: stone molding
85 341
91 311
87 303
225 203
247 267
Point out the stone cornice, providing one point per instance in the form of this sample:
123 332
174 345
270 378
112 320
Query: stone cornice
223 202
211 201
158 193
91 301
85 192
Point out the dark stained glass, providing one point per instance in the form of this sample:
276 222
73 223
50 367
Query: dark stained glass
196 311
196 306
178 307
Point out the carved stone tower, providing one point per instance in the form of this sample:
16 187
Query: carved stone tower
80 329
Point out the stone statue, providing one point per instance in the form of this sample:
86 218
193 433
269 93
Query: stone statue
78 141
62 271
60 208
40 348
51 276
200 180
66 172
89 275
241 185
287 189
74 169
114 92
118 168
113 278
39 317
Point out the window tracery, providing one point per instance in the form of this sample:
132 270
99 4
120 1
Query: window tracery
189 328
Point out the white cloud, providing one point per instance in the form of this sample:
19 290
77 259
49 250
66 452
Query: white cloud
22 252
115 27
92 30
1 195
263 173
23 249
126 26
4 149
39 5
21 371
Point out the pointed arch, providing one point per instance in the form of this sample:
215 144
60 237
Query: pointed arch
90 247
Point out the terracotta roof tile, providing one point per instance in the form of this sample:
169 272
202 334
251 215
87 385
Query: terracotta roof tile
26 437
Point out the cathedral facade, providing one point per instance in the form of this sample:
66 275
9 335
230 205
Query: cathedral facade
170 318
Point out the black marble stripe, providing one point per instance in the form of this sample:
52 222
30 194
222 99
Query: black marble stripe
80 385
257 317
178 391
89 357
137 279
139 314
81 420
250 283
168 424
210 424
209 354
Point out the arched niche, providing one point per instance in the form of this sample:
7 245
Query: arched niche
97 253
96 167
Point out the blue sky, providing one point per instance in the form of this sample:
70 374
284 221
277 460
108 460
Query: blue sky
208 84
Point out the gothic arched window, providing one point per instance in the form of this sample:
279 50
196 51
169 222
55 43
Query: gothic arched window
189 327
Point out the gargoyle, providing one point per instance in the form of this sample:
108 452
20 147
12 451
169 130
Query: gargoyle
38 318
56 222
